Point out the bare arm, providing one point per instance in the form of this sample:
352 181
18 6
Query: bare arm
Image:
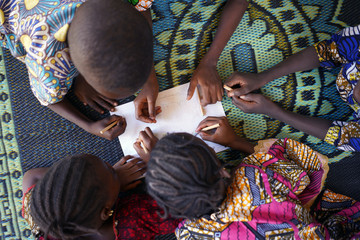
71 113
257 103
205 74
32 176
304 60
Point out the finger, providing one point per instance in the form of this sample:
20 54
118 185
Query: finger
149 132
191 89
158 110
112 102
232 80
238 92
96 107
104 104
206 136
206 123
151 110
118 129
132 185
220 94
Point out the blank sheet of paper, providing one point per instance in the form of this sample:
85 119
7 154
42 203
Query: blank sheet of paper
178 115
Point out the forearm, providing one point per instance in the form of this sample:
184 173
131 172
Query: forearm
304 60
230 19
314 126
71 113
242 145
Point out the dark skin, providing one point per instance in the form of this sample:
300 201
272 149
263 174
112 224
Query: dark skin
122 176
223 135
206 77
257 103
102 100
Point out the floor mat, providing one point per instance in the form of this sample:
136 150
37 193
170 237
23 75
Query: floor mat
33 136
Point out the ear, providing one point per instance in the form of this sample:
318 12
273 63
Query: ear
105 213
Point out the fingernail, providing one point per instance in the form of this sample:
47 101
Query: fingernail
115 103
242 97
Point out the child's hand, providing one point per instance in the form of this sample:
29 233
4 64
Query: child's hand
255 103
208 79
89 96
129 172
145 144
223 135
245 83
145 109
113 132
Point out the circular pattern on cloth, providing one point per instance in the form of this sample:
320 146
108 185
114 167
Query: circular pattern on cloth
269 32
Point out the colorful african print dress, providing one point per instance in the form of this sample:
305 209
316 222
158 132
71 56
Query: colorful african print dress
277 193
35 32
343 49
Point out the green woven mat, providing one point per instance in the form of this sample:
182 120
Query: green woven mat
270 31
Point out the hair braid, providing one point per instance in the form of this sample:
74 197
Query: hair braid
67 201
183 176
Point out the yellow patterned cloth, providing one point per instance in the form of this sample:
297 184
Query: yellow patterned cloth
273 196
343 50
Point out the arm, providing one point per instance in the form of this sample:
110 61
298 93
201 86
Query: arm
205 74
224 134
304 60
69 112
32 176
257 103
145 109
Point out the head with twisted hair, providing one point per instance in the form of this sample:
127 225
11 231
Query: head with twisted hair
184 176
74 197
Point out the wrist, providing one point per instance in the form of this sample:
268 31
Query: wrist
210 60
266 76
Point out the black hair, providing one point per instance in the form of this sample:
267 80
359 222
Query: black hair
183 176
112 42
66 203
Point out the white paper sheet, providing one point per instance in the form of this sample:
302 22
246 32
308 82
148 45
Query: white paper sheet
178 115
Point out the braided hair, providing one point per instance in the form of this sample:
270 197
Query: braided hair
183 176
67 201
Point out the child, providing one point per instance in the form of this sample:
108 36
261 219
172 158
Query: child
77 198
106 44
206 76
275 193
341 50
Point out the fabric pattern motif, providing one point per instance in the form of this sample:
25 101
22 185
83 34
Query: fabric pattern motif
343 49
270 198
35 32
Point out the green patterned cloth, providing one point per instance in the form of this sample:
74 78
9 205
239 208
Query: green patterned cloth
270 31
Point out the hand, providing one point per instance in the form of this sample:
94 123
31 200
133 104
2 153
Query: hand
148 139
118 129
89 96
255 103
129 172
145 109
209 82
246 82
223 135
356 92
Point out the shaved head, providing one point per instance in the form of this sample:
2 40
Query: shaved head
111 46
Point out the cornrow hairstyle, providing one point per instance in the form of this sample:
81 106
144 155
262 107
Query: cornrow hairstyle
66 203
111 42
183 176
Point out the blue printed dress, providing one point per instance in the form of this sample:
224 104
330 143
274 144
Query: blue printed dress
35 32
343 49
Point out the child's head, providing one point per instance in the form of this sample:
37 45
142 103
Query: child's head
111 46
183 176
74 197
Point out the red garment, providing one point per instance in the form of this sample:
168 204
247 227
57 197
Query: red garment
137 218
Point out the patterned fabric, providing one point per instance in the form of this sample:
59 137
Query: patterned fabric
35 32
343 49
270 198
135 217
